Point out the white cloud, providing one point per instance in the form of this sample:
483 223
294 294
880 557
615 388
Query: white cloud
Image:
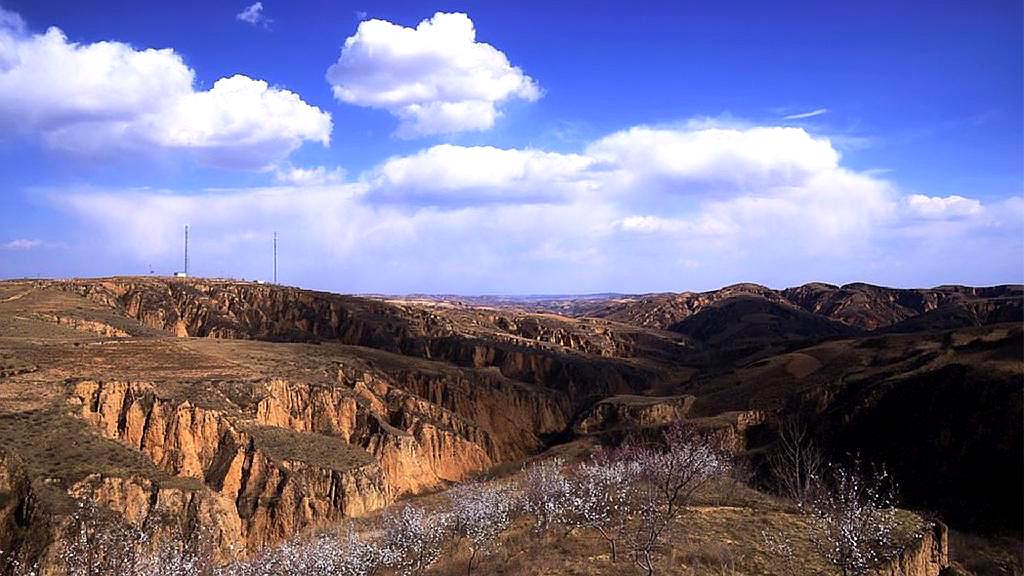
334 228
711 160
253 14
108 97
481 174
802 115
315 176
648 224
939 207
475 219
22 244
436 78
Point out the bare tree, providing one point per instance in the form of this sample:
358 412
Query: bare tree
481 512
670 478
603 495
795 461
547 493
856 517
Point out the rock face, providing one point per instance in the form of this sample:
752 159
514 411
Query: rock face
524 347
262 491
14 491
305 455
180 507
632 412
926 557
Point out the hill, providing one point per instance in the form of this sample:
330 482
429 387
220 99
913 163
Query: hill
260 412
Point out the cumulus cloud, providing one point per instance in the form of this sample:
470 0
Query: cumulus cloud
482 174
711 159
253 14
108 97
436 78
480 219
943 207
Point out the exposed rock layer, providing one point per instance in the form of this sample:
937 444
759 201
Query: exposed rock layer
386 398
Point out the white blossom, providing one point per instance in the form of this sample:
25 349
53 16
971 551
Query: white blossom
547 493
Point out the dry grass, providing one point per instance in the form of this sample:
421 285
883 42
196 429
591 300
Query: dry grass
317 450
54 445
987 556
722 535
708 541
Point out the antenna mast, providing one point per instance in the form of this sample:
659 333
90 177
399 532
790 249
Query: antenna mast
275 257
186 249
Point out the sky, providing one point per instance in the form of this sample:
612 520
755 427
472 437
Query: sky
514 147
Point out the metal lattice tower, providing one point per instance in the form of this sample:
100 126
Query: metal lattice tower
186 249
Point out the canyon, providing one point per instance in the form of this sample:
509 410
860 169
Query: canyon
258 412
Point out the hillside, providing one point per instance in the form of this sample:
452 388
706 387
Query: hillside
859 306
260 412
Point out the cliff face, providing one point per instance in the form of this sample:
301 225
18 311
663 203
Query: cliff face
925 557
14 488
265 440
171 510
251 311
529 348
260 493
632 412
304 455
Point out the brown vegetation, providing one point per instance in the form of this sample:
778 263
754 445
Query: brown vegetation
284 411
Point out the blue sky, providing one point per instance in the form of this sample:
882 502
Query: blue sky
515 147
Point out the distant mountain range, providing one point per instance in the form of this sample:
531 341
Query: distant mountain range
857 306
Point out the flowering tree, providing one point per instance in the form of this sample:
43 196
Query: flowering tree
10 564
99 543
547 494
604 490
328 555
481 512
360 556
414 538
669 479
857 519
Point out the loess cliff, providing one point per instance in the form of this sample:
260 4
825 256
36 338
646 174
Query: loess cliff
254 412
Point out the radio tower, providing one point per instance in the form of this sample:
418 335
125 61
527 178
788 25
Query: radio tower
275 257
186 249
